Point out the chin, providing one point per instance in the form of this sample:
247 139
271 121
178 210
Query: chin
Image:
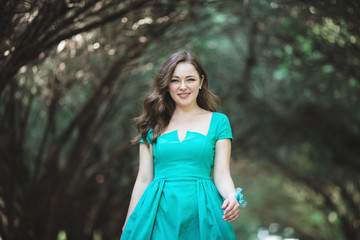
184 104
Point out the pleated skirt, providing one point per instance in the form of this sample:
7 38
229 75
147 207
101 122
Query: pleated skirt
179 208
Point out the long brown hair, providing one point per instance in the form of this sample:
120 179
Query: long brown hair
158 105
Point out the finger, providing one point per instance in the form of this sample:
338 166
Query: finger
234 216
230 212
225 204
232 207
233 219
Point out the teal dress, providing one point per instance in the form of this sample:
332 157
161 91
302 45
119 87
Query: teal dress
182 201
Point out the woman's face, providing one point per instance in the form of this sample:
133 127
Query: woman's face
184 84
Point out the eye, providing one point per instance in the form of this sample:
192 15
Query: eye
174 80
191 79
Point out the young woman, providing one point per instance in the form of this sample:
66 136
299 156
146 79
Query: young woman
182 138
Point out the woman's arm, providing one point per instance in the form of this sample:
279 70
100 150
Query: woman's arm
223 180
144 177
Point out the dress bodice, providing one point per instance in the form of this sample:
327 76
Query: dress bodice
194 155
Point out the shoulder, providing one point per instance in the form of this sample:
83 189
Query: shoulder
221 121
149 133
148 136
222 126
220 116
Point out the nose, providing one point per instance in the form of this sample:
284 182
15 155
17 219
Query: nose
183 85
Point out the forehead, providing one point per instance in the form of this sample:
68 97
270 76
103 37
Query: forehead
185 69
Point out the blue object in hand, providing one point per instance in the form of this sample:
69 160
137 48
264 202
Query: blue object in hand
240 197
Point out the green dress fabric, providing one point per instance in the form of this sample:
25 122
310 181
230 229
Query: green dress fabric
182 201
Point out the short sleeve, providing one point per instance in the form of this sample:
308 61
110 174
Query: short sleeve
149 137
224 128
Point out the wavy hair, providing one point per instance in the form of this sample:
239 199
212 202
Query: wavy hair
159 107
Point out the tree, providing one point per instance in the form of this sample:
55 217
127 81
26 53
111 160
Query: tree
73 73
303 105
58 176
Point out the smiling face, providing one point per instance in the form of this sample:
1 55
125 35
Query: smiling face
184 85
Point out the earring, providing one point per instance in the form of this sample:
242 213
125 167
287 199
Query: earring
200 87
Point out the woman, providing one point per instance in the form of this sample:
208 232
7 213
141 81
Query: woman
182 138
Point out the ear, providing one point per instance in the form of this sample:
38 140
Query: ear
202 80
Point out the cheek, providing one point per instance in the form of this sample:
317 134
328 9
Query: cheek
172 88
195 87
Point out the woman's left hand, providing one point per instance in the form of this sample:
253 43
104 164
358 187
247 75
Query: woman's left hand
232 209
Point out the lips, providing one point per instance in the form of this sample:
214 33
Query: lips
183 95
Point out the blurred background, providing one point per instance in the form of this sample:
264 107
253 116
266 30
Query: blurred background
73 73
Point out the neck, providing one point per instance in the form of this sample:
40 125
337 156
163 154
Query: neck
186 111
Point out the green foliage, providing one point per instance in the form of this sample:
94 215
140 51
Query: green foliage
287 74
